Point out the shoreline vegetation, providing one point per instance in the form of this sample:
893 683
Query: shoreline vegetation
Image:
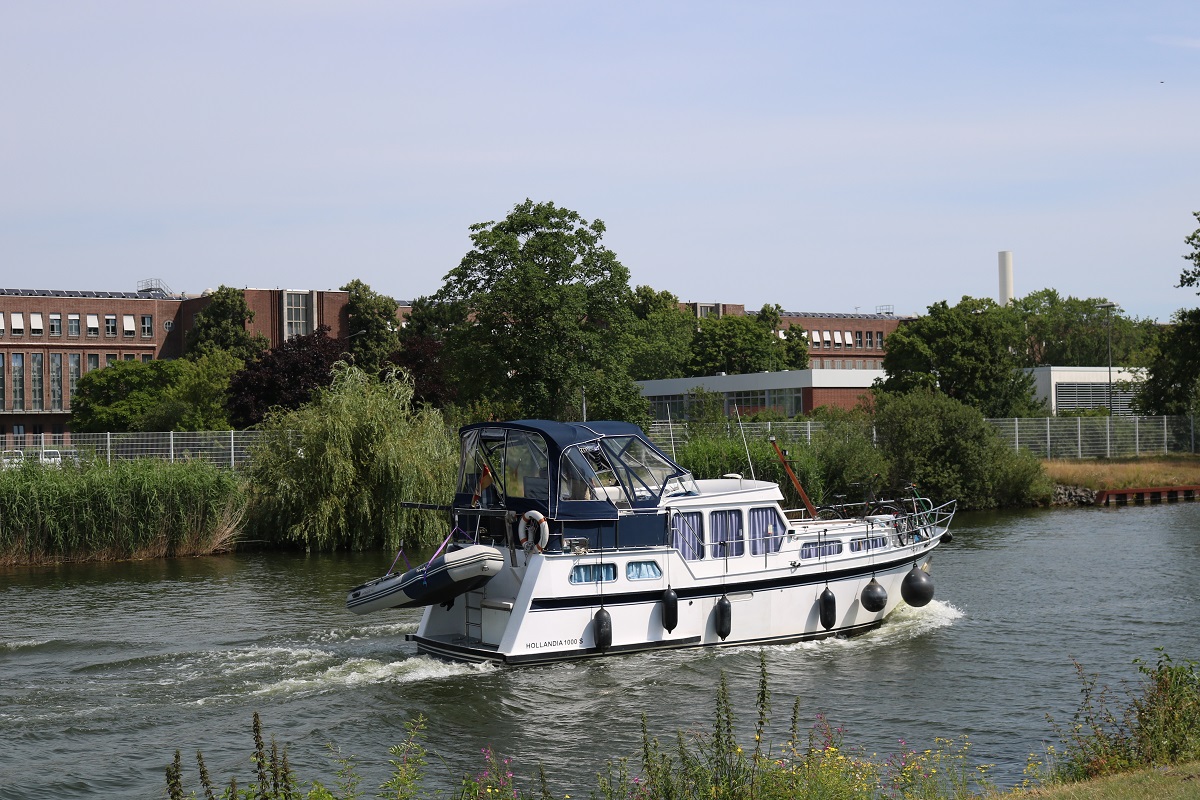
1142 742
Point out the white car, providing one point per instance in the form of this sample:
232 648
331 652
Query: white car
11 459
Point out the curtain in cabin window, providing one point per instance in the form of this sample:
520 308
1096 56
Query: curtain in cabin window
593 573
766 531
726 529
642 571
688 535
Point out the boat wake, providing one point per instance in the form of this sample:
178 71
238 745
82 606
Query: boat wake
903 624
366 671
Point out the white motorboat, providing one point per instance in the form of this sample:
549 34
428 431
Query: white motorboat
608 547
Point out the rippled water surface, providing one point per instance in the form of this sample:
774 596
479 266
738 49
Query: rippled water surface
106 669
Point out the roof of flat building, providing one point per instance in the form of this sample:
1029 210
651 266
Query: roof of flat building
156 294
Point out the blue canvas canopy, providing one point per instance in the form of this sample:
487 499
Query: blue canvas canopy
567 471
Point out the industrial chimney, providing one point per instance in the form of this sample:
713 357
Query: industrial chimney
1006 279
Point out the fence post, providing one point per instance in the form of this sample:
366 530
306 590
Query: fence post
171 447
232 459
1079 435
1137 436
1016 434
1048 453
1165 450
108 447
1108 435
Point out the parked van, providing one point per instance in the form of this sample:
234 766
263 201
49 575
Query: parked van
11 459
51 458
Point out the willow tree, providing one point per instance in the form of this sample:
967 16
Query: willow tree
336 473
549 318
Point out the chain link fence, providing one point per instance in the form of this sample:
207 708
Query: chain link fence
223 448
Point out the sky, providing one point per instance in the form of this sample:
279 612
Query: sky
828 157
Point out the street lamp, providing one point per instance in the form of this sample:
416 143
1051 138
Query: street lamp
1109 307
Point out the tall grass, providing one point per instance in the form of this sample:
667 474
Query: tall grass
1131 473
129 509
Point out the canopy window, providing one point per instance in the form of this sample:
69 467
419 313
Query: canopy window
93 324
1 322
128 324
850 339
36 324
837 338
18 323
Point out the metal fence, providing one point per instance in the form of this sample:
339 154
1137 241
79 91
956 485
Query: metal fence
223 448
1048 437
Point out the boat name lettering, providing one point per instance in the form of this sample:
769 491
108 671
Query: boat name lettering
553 643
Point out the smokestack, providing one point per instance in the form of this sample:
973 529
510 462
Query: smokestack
1006 280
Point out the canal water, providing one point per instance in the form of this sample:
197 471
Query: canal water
106 669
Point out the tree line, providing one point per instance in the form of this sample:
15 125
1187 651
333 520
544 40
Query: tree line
539 319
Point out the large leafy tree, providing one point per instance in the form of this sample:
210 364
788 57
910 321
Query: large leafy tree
422 349
550 318
737 345
196 399
662 335
373 326
118 396
221 325
969 352
285 377
1074 332
1173 383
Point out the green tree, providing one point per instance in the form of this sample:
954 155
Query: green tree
550 318
197 398
118 397
969 352
1172 384
373 326
951 452
737 345
1190 276
285 377
1074 332
335 473
662 335
221 325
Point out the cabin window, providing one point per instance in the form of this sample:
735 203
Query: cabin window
526 466
820 549
584 474
593 573
726 527
687 536
642 571
869 543
766 530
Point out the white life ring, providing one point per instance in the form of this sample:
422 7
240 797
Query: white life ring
530 519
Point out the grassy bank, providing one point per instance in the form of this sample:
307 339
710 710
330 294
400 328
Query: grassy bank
129 509
1127 473
1144 743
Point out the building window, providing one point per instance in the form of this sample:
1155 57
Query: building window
72 374
131 356
858 340
18 382
870 340
36 325
1 323
147 358
110 324
56 324
18 324
72 324
298 313
93 325
147 326
879 339
110 359
37 382
93 361
828 337
56 396
19 435
837 340
127 325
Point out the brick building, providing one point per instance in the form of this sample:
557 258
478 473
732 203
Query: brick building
50 338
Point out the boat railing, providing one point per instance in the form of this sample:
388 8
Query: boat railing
925 523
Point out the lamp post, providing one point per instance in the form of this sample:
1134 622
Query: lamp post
1109 307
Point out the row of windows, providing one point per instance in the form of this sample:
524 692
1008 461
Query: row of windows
28 386
723 537
40 323
838 363
603 573
858 340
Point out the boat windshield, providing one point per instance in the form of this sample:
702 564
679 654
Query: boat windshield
498 464
622 469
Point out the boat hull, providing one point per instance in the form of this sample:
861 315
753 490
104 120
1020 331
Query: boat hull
439 581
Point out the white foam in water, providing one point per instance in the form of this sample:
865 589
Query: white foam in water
368 671
22 644
366 632
902 624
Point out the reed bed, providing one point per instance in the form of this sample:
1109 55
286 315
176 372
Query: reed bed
1128 473
130 509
